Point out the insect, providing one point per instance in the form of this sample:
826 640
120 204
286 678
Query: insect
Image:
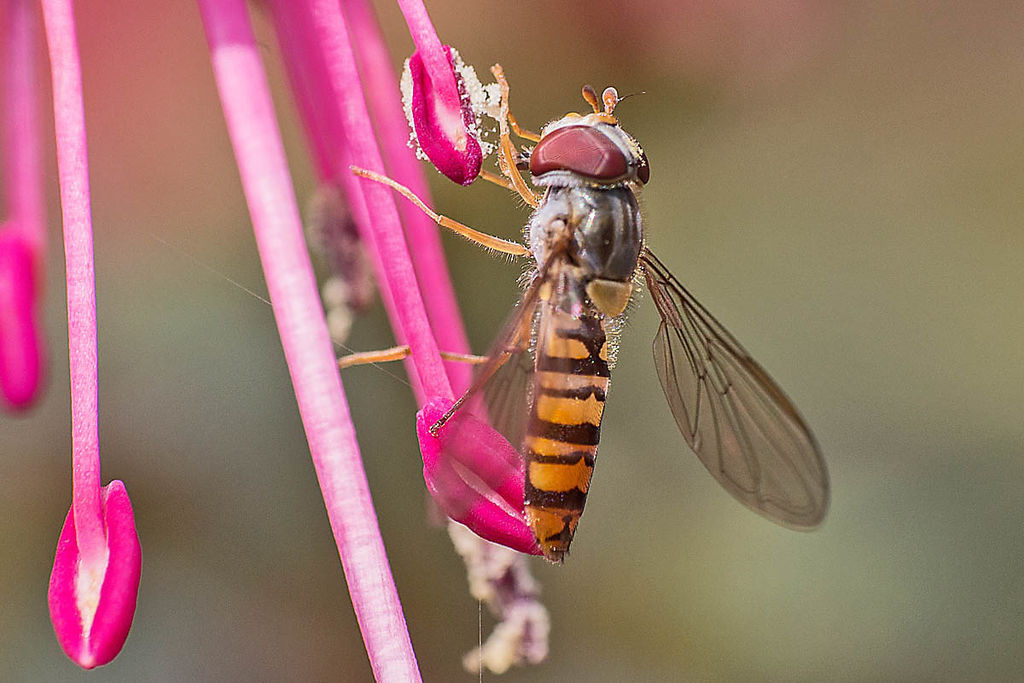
545 383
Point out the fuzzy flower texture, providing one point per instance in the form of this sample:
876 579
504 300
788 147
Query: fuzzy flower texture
330 48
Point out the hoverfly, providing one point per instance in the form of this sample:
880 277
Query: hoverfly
545 382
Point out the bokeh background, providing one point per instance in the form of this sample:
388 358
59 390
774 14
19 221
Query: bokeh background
840 183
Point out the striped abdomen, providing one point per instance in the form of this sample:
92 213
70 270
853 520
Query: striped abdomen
564 426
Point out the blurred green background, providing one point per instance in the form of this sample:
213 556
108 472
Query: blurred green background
840 183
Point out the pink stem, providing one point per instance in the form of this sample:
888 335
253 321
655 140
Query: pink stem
73 172
379 81
428 45
343 78
256 138
300 26
22 164
317 108
490 521
307 73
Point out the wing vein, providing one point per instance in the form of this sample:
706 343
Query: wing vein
735 417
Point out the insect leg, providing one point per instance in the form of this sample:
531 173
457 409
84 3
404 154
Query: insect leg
507 152
496 179
470 358
400 353
481 238
499 73
370 357
521 132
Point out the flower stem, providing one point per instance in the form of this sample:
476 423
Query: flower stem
73 172
318 108
431 267
21 147
256 140
429 46
333 36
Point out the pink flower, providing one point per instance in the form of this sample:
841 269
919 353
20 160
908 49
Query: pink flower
494 462
92 599
256 139
96 570
323 64
97 567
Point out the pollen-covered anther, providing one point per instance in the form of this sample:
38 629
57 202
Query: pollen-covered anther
440 110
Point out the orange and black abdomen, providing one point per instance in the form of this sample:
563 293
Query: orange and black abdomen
565 423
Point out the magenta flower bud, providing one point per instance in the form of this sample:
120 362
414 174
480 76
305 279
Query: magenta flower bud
442 117
20 341
92 603
465 457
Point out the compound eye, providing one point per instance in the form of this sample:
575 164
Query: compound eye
643 170
580 149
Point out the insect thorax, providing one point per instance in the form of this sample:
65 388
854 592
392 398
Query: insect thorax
599 232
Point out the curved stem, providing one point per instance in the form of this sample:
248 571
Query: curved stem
307 70
333 35
73 172
428 45
256 139
422 234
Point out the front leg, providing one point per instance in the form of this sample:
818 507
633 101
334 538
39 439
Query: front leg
507 152
481 238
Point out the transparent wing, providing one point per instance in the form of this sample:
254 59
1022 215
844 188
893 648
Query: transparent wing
738 421
502 387
507 390
473 465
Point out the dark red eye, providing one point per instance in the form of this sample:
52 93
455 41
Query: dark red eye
580 149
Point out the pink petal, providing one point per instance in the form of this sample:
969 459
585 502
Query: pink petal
92 617
467 444
445 125
21 345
